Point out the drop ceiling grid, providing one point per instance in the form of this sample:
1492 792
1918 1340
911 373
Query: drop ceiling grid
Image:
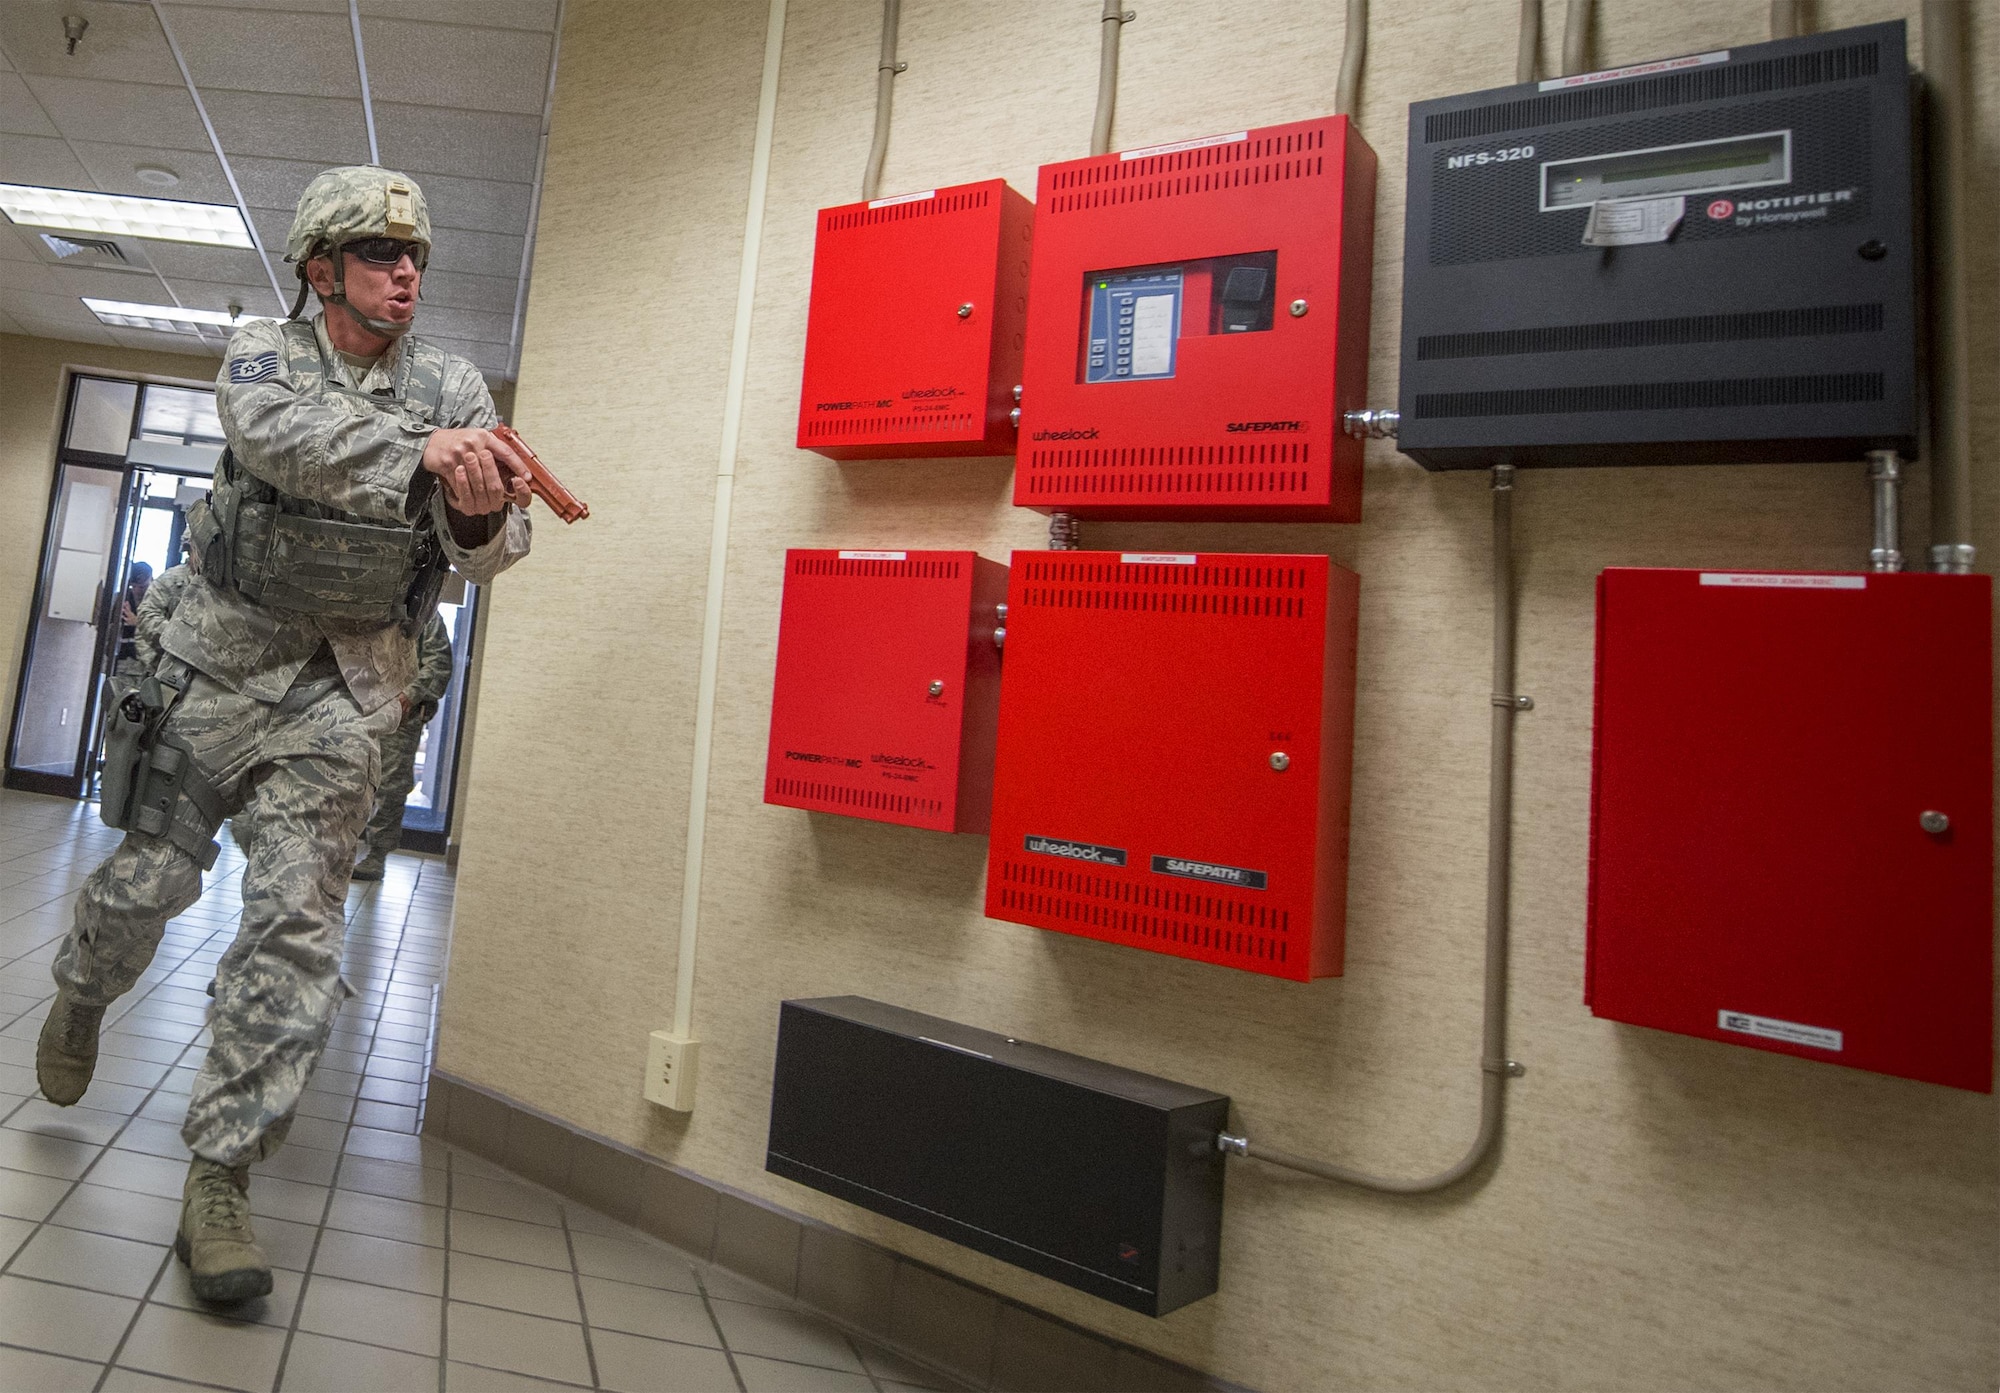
458 88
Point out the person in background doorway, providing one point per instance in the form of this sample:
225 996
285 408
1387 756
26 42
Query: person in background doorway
360 467
138 581
162 598
399 750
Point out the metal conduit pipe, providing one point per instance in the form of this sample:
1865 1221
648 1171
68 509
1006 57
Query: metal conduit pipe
1110 24
1576 37
1951 424
1353 53
1528 52
885 98
1788 18
1885 474
1495 1067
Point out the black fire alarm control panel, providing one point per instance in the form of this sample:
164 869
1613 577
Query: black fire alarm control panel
1706 259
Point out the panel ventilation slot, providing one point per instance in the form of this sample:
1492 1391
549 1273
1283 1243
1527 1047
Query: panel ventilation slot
1171 470
1243 592
1822 389
841 221
1109 182
1648 333
855 566
1650 94
1147 915
834 796
862 428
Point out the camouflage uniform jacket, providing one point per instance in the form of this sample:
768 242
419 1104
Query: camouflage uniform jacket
355 462
163 597
433 668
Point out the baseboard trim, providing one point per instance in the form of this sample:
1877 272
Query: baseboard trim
974 1336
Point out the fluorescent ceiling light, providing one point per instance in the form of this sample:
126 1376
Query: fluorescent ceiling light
162 219
127 314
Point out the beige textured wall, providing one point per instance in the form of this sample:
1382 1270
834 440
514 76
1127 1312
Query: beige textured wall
1667 1213
32 377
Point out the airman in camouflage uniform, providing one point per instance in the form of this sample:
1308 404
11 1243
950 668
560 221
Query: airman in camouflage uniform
163 597
358 463
399 750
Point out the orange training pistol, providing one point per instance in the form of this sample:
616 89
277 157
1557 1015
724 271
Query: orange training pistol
545 485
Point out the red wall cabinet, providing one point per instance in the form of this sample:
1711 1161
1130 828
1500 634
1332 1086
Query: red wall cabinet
1791 821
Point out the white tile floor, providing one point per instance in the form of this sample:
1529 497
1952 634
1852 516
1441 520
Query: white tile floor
400 1263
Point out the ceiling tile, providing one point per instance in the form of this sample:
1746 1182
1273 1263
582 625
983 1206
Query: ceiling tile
112 166
52 309
38 276
107 285
217 295
123 43
481 205
20 113
470 144
326 130
268 183
273 226
486 14
487 357
481 253
10 325
121 113
463 69
14 245
207 263
92 332
457 290
441 321
247 51
175 7
30 159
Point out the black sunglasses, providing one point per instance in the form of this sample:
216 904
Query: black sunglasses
387 251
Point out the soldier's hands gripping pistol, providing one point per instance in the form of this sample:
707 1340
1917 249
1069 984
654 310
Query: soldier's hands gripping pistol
542 480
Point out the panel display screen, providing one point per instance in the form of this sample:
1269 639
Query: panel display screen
1707 166
1135 317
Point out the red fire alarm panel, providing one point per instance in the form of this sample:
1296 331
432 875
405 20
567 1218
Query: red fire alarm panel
1176 737
888 687
913 338
1791 815
1199 323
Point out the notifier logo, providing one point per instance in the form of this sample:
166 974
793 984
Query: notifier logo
1722 210
1066 434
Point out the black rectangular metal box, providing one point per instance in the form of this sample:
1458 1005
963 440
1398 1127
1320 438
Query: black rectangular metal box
1104 1179
1773 318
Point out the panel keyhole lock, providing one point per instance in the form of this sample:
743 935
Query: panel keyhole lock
965 310
937 687
1299 308
1280 761
1934 822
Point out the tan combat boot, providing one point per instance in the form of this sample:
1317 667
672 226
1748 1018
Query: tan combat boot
224 1263
66 1053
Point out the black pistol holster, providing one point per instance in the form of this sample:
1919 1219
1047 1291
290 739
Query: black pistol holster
150 782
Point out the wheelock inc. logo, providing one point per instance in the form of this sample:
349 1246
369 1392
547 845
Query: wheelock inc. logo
804 757
1075 851
902 761
1090 434
1259 426
1210 871
919 393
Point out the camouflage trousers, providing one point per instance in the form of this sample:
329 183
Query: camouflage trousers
399 776
300 775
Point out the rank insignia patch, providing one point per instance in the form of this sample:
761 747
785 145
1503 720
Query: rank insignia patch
262 368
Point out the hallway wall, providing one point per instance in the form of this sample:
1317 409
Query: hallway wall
1665 1212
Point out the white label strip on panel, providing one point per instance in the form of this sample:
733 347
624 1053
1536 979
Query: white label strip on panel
1179 145
1156 558
874 556
902 198
1152 334
1633 222
1770 1028
1665 65
1783 581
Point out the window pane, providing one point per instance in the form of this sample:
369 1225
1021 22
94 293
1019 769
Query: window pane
101 419
186 414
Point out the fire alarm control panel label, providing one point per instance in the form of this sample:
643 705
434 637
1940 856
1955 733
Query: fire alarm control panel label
1769 1028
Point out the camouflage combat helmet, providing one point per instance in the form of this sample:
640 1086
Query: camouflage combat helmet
346 205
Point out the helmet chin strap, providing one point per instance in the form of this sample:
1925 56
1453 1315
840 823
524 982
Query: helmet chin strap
381 328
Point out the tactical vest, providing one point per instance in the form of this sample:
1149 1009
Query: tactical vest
292 553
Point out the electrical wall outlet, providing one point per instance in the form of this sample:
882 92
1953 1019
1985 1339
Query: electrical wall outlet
670 1068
